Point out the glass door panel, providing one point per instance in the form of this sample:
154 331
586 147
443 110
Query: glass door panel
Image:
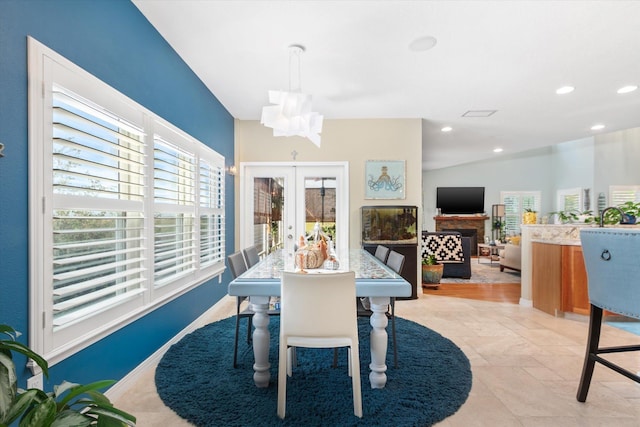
267 216
323 198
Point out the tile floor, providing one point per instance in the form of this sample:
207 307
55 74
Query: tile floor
526 366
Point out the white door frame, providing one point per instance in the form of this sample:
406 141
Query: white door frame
294 174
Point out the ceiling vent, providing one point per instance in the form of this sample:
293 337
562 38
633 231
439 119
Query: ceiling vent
479 113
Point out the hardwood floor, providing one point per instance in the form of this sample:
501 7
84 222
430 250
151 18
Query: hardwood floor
496 292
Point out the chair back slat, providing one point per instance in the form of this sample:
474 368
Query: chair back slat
236 264
251 256
613 271
395 261
382 252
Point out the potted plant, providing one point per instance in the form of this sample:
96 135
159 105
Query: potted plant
431 271
71 405
574 216
498 226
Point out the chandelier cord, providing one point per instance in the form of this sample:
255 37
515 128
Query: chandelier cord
295 51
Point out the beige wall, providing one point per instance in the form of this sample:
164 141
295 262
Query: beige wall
342 140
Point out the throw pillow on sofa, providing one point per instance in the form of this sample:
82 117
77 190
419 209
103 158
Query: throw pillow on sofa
446 247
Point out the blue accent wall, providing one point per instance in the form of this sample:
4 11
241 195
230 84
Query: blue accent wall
112 40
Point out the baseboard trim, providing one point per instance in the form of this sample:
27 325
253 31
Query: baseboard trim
119 388
526 302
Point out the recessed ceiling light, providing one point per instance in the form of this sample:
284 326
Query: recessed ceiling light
446 129
422 43
565 89
597 127
627 89
497 150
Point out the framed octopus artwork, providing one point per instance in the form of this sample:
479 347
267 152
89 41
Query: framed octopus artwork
384 179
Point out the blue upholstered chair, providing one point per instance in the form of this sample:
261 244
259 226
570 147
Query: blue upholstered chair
613 273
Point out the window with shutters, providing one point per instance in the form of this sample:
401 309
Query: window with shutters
619 194
569 200
127 211
515 203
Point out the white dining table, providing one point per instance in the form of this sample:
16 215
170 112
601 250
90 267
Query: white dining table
373 279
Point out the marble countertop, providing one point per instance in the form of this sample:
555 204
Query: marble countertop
562 242
563 234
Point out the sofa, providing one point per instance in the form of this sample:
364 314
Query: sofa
451 249
510 257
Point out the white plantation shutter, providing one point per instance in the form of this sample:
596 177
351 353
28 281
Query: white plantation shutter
126 211
569 200
619 194
572 202
211 213
512 206
515 204
98 257
174 227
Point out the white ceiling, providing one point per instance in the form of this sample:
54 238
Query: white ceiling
508 56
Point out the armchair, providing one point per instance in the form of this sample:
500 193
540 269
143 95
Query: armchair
510 257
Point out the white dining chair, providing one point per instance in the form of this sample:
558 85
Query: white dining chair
317 311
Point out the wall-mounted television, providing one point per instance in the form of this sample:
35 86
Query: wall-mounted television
460 200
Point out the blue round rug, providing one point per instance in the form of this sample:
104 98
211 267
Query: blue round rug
197 380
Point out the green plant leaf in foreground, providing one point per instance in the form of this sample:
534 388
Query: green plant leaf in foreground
74 390
42 414
69 405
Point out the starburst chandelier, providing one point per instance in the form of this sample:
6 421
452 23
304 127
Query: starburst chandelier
291 113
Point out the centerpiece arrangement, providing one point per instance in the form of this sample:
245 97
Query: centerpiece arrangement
315 251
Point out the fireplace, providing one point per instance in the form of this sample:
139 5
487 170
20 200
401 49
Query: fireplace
472 233
471 226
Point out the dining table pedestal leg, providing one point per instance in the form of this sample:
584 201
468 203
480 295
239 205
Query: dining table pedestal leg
261 337
379 340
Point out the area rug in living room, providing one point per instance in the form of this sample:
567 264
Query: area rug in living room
196 379
485 272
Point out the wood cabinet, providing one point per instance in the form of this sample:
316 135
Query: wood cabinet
546 277
559 279
575 293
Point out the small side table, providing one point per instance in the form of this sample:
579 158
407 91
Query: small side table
489 251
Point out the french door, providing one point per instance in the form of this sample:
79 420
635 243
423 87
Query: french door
280 202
